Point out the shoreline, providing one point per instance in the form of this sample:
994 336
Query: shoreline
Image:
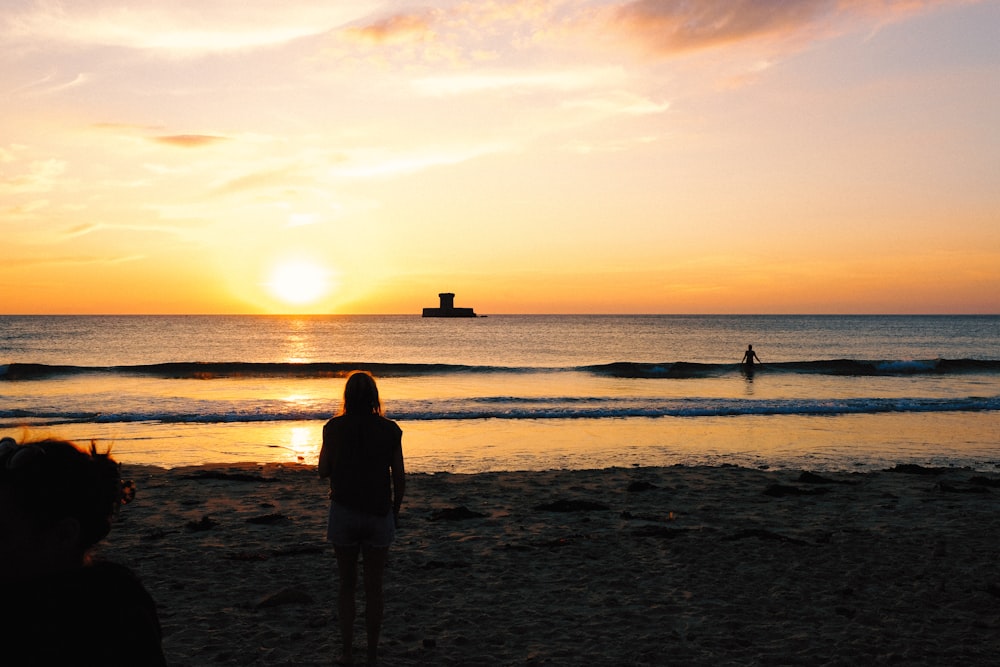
643 565
849 443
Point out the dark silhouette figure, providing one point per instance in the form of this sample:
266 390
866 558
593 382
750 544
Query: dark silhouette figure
362 456
59 605
749 356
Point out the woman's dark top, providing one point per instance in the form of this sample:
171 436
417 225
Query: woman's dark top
95 615
357 454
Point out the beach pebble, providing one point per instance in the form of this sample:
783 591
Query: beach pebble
283 597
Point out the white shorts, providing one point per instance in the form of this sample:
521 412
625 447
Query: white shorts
348 527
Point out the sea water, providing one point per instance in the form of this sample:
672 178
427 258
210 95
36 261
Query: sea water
517 392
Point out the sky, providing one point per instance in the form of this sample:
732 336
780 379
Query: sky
536 156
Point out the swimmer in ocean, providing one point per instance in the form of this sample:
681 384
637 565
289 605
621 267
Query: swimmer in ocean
749 356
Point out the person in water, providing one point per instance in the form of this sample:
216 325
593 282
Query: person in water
60 605
362 456
749 356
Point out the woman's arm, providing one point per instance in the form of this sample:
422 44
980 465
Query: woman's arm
326 456
397 468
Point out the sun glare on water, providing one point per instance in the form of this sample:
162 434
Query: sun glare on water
299 282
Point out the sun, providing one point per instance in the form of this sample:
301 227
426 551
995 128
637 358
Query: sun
299 282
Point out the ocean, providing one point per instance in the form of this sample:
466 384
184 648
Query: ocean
517 392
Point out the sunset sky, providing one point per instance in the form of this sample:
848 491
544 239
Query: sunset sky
544 156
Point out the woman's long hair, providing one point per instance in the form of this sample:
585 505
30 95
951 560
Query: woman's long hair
361 395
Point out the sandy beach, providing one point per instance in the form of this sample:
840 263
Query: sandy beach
679 565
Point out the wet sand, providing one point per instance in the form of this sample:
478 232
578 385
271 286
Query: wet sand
679 565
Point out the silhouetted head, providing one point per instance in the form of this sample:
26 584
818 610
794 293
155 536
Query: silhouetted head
361 395
56 502
749 347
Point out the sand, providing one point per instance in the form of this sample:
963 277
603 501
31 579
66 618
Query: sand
680 565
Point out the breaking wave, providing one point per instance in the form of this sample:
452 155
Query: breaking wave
500 407
621 369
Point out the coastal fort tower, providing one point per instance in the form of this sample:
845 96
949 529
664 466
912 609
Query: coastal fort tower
448 309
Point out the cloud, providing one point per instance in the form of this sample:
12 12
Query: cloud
128 126
620 102
189 140
184 26
382 165
50 83
554 34
85 229
453 33
41 176
26 211
393 29
206 26
261 180
666 27
564 80
673 26
69 260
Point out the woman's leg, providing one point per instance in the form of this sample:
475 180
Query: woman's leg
374 569
347 569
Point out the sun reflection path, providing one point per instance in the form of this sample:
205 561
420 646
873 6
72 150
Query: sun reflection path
304 444
298 342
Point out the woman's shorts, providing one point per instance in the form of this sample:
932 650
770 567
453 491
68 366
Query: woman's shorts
348 527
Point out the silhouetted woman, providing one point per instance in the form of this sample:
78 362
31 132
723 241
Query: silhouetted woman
362 455
60 606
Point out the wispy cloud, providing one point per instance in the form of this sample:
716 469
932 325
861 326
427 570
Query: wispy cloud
394 29
85 229
189 140
378 165
562 80
25 211
52 83
82 230
72 260
185 26
40 176
452 33
619 103
128 127
672 26
260 180
500 31
666 27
